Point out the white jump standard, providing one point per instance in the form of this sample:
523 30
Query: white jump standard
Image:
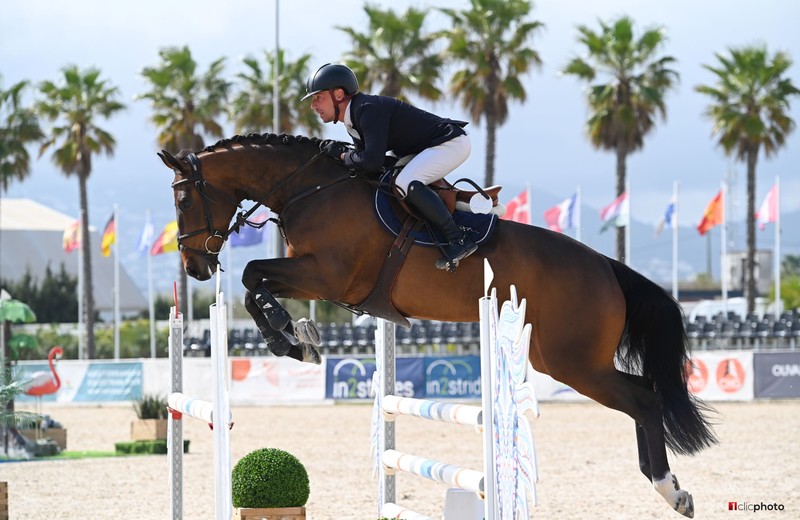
216 413
509 471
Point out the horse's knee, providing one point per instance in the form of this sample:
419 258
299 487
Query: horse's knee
251 276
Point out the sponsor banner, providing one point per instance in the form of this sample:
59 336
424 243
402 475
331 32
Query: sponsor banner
777 375
350 377
82 381
105 382
456 377
275 380
721 375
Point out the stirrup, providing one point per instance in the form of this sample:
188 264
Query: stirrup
451 264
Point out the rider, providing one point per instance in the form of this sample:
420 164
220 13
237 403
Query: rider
379 124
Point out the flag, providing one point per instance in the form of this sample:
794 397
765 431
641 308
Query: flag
109 236
518 209
616 213
668 220
167 241
146 238
768 212
248 235
72 237
712 215
562 215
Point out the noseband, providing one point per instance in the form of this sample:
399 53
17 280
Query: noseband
203 188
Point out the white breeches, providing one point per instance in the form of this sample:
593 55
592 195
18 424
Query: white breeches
435 163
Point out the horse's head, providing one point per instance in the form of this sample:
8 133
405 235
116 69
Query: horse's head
203 211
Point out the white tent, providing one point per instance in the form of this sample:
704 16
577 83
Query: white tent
31 238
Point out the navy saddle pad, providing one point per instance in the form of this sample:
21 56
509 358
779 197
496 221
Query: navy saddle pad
478 227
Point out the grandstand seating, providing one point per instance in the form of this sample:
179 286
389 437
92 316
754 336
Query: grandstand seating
730 331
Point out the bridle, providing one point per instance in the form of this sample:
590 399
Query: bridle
204 188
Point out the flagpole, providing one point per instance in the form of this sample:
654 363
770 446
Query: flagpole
675 241
80 302
578 213
151 306
724 248
116 282
229 280
628 226
778 301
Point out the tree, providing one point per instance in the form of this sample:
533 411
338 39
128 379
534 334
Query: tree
19 127
53 301
186 107
395 55
628 82
74 106
750 112
489 40
252 109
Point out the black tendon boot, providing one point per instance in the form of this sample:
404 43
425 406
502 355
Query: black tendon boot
277 315
458 245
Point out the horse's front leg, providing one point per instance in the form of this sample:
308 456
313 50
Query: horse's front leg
298 340
267 279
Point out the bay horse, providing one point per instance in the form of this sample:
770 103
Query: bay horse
587 310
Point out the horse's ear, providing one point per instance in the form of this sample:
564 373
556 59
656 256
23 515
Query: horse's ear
171 162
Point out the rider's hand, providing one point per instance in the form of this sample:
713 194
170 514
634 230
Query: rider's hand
333 149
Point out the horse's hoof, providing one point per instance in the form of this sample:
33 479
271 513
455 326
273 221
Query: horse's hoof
310 354
307 331
685 504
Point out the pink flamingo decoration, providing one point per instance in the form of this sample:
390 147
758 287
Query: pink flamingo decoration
43 383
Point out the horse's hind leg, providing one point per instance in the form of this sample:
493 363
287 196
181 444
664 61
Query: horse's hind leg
630 395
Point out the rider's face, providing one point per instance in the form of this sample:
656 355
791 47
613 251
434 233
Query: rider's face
322 104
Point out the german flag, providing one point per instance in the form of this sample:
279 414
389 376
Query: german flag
109 236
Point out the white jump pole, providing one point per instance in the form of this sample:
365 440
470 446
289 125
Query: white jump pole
216 413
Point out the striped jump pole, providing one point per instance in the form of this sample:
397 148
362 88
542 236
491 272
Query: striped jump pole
509 465
216 413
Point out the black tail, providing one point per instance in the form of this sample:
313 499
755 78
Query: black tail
657 347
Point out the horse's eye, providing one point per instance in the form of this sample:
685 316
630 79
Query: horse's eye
184 203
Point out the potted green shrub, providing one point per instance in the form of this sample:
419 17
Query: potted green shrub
269 484
151 422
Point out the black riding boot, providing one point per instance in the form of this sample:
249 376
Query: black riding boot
458 245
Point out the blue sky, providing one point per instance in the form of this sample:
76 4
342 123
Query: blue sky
542 145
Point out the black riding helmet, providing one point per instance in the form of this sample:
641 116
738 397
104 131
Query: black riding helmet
331 76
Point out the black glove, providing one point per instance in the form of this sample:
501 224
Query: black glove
333 149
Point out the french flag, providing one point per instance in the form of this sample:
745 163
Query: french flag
562 215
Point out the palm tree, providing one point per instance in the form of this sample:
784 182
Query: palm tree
19 127
74 106
750 111
186 106
252 107
489 40
628 81
395 55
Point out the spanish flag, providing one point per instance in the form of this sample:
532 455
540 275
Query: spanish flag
167 241
712 216
109 236
72 237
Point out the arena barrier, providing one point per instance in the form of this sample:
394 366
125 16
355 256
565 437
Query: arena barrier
216 413
509 459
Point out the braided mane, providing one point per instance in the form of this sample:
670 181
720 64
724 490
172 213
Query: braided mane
262 140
